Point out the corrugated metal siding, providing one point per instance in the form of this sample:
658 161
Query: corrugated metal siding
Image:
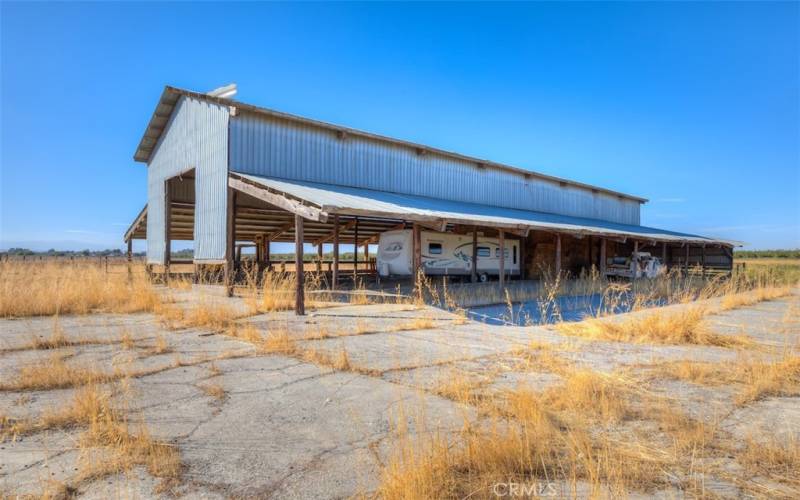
279 148
196 137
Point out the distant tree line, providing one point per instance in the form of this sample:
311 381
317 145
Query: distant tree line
187 253
767 254
109 252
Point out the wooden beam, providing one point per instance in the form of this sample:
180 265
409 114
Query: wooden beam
230 240
558 255
501 237
335 277
129 259
319 258
279 232
474 274
603 257
299 300
277 199
377 236
417 241
330 235
664 254
355 252
686 263
135 226
703 261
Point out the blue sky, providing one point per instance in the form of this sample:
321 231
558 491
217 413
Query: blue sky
695 106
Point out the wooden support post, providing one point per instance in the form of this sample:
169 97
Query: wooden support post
703 261
417 258
475 254
299 301
664 254
603 258
686 263
335 278
230 241
319 258
501 237
259 257
558 255
355 252
129 258
523 269
167 230
238 256
267 260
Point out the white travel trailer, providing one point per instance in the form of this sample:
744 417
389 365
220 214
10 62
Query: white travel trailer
444 254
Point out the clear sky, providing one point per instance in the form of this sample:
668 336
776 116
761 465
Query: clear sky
695 106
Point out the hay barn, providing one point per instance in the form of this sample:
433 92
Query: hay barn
225 175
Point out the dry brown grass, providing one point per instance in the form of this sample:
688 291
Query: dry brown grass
127 340
529 437
748 298
459 386
50 288
55 373
542 357
212 315
687 326
108 445
277 292
111 445
778 458
755 379
419 323
216 391
161 346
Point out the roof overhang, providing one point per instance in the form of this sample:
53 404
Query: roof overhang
315 201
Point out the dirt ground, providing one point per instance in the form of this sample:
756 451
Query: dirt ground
282 427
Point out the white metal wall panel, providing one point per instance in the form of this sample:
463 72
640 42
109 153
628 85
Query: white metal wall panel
196 137
275 147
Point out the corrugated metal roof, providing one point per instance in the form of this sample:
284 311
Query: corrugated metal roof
333 199
171 94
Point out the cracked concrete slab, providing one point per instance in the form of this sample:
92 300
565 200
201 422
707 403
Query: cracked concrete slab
286 428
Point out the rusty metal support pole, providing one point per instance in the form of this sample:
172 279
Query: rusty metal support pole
474 274
335 278
558 255
299 301
230 241
501 238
